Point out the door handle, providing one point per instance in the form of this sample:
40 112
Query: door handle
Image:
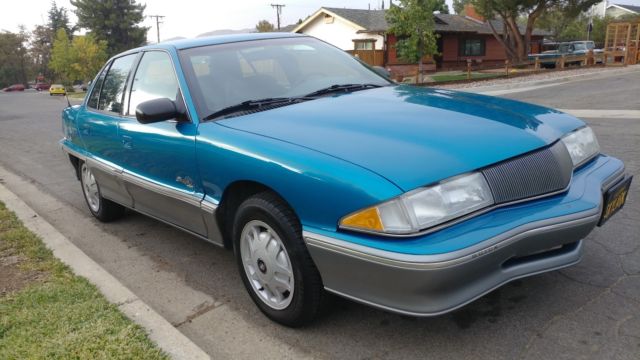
127 142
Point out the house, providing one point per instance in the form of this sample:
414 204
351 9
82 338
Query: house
618 10
614 10
364 33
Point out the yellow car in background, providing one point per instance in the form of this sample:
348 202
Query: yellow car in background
57 89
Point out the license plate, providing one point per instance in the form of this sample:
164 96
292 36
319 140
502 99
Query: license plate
614 199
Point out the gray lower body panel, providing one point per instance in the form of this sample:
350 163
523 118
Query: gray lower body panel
427 289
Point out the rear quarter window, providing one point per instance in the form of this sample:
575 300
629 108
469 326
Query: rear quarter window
95 92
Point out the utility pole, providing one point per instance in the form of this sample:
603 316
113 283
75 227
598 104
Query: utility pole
158 22
278 8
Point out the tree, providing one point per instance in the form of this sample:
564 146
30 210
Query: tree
79 59
40 44
87 55
458 6
599 32
265 26
14 62
61 57
412 22
59 19
441 6
515 43
114 21
42 37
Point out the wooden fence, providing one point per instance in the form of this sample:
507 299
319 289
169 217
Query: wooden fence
588 59
622 43
371 57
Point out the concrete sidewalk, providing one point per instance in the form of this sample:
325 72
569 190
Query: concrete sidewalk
523 86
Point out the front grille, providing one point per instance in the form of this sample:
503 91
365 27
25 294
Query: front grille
541 172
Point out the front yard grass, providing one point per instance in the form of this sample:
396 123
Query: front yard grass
47 312
76 95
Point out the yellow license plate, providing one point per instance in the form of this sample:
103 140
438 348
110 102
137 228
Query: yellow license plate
614 199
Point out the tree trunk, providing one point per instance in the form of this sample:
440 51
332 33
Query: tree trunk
503 40
517 38
419 79
529 30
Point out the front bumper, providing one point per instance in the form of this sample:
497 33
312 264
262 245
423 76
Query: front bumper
514 242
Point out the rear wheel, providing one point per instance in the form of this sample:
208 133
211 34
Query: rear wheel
103 209
274 263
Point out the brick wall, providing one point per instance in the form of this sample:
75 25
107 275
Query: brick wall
494 55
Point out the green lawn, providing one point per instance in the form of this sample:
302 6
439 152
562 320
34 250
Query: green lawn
54 314
463 76
76 95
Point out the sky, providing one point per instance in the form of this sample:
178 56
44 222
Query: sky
189 18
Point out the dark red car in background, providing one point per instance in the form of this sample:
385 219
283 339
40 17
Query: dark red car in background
41 86
14 87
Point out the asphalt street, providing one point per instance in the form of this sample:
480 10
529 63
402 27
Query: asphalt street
591 310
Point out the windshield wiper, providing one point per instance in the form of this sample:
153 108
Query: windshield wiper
255 104
342 88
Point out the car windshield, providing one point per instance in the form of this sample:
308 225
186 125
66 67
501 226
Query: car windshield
225 75
580 46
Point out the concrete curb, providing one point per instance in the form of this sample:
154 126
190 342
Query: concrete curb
167 337
526 86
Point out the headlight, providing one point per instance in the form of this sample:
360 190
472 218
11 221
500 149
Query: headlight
582 145
423 208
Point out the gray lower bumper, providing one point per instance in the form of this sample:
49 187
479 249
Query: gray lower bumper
435 284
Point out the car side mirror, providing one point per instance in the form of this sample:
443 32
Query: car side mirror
157 110
382 72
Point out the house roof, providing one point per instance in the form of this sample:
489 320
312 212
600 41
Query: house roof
630 8
371 21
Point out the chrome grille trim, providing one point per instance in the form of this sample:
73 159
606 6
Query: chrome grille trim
541 172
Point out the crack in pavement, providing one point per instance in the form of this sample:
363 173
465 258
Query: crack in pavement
548 324
201 309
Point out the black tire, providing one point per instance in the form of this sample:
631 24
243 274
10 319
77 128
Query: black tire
106 210
308 290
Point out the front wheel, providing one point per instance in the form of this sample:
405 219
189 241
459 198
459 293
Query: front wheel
103 209
274 263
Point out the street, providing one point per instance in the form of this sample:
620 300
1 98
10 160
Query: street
591 310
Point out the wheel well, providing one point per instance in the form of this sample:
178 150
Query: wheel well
234 195
75 162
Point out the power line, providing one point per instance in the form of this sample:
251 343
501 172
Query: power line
278 8
158 22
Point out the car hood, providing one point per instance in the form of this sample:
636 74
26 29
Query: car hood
412 136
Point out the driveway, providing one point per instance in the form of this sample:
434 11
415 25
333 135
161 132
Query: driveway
591 310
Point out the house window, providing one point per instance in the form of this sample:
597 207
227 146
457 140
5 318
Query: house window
366 44
472 47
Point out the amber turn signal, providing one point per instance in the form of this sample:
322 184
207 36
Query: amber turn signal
368 219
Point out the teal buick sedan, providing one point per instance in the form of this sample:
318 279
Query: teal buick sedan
324 176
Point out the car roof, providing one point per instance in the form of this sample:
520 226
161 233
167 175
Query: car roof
213 40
